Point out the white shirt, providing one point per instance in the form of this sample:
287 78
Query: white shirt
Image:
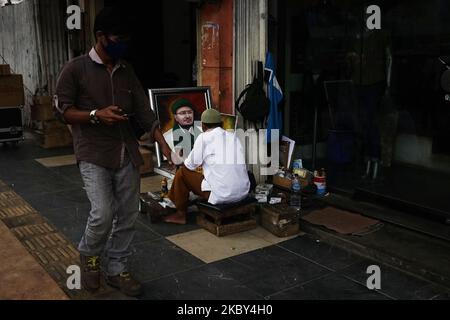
222 157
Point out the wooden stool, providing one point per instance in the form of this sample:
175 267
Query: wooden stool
226 219
152 208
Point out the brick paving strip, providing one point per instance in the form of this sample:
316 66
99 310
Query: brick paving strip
34 254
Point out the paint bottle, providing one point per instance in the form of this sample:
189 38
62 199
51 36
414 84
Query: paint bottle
164 188
296 197
297 166
320 182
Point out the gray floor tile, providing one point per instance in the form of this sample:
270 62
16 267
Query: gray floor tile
321 252
155 259
202 283
273 269
333 287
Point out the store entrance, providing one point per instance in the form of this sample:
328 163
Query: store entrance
164 42
382 116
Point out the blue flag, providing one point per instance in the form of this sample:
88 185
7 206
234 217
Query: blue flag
275 119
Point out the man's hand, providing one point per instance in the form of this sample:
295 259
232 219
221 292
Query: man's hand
177 157
110 115
165 149
167 153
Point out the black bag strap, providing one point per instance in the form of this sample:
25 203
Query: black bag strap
243 93
260 74
258 80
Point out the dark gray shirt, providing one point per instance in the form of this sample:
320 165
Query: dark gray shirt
86 83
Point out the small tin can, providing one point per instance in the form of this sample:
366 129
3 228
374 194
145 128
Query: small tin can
321 182
297 165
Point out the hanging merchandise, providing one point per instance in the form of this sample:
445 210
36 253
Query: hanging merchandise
275 118
255 105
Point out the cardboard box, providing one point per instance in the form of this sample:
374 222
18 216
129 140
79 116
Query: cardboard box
43 100
48 126
11 91
42 108
5 70
55 138
147 167
42 112
286 184
281 220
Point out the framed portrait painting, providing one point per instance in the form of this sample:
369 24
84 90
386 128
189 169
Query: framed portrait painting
178 111
229 122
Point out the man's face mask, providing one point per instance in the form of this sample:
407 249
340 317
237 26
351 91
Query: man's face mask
116 49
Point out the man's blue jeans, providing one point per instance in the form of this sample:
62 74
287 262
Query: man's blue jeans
114 197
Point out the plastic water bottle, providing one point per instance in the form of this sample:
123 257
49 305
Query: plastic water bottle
296 197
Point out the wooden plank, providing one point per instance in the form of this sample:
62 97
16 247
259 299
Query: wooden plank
226 229
246 209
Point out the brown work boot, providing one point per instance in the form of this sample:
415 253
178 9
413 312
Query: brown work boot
90 272
126 284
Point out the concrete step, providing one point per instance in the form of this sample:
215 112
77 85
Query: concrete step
411 251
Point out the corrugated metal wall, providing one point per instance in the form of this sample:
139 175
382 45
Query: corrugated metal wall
33 42
18 46
250 36
54 40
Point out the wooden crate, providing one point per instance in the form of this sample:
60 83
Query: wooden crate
219 216
230 226
229 221
153 209
281 220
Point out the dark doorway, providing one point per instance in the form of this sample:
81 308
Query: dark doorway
389 134
163 44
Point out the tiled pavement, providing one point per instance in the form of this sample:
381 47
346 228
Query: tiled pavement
21 276
300 268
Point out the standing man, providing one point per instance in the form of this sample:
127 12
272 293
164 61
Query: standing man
97 93
224 179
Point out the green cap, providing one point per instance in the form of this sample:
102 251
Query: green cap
179 103
211 116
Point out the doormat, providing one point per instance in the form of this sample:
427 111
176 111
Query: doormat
343 222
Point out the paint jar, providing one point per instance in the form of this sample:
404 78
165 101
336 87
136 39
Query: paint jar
164 187
297 165
321 182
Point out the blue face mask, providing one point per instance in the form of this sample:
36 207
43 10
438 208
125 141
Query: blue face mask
116 50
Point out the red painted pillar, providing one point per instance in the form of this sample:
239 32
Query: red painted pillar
216 64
